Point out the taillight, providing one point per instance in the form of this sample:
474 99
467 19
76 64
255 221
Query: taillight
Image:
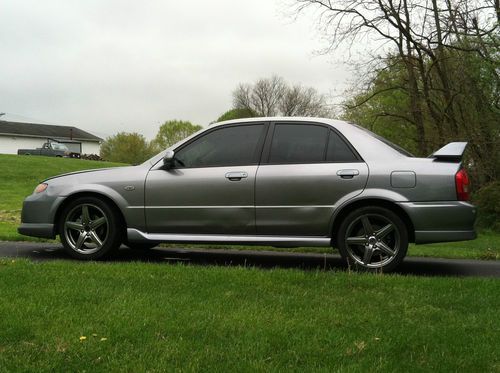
462 184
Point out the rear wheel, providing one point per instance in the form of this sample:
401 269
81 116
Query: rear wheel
89 229
373 238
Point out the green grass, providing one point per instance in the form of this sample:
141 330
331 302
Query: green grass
20 175
162 317
485 247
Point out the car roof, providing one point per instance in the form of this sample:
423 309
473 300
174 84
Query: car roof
280 119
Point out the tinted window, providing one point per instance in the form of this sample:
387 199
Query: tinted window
386 142
298 143
338 150
222 147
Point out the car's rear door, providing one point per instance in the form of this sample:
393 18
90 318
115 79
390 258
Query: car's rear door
212 188
307 170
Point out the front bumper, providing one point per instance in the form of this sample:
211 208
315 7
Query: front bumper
441 221
38 215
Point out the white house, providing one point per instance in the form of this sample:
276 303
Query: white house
18 135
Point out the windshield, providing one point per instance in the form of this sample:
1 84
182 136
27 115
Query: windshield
59 147
386 142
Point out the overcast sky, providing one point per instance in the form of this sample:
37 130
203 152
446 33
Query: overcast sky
119 65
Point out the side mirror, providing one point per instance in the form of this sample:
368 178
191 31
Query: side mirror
168 159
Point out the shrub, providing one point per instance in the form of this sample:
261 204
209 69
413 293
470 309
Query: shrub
488 202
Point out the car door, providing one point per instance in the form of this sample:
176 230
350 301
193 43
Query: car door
307 169
211 189
45 150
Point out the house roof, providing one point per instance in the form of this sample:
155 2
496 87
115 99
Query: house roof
45 131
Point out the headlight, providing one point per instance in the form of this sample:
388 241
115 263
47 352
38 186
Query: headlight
41 187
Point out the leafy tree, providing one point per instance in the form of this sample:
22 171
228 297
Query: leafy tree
432 76
273 96
236 114
172 132
131 148
383 107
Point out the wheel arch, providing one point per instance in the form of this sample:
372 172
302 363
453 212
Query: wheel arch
390 205
74 196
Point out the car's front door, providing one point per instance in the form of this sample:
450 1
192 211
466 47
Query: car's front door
306 170
211 189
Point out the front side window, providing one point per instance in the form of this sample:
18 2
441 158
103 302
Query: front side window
229 146
298 143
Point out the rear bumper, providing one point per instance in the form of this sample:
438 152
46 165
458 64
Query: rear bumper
37 230
441 221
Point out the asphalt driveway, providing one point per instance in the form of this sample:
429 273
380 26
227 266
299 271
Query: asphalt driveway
263 259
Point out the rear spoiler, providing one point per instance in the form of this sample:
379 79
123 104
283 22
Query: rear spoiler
452 152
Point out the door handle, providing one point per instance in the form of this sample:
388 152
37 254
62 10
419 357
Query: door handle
236 176
347 174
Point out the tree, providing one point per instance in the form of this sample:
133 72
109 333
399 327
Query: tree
131 148
383 107
235 114
273 96
172 132
446 60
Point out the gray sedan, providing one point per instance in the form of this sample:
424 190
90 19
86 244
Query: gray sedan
284 182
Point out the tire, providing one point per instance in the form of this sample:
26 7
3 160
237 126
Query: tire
373 239
90 229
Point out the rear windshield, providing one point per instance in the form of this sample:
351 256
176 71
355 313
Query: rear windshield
386 142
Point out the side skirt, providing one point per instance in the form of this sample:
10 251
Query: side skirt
135 235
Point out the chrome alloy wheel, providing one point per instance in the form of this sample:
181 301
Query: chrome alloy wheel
86 228
372 240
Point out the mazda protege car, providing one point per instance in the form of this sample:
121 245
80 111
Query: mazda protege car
284 182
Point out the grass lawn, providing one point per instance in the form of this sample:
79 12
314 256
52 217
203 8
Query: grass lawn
69 316
20 175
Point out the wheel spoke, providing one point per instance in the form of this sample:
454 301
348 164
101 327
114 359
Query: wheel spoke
74 225
85 214
367 226
382 246
95 238
80 241
356 240
367 258
97 223
381 233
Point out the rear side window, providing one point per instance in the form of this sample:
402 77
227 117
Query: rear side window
298 143
230 146
338 150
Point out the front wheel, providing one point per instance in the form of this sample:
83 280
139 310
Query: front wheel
373 238
89 229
